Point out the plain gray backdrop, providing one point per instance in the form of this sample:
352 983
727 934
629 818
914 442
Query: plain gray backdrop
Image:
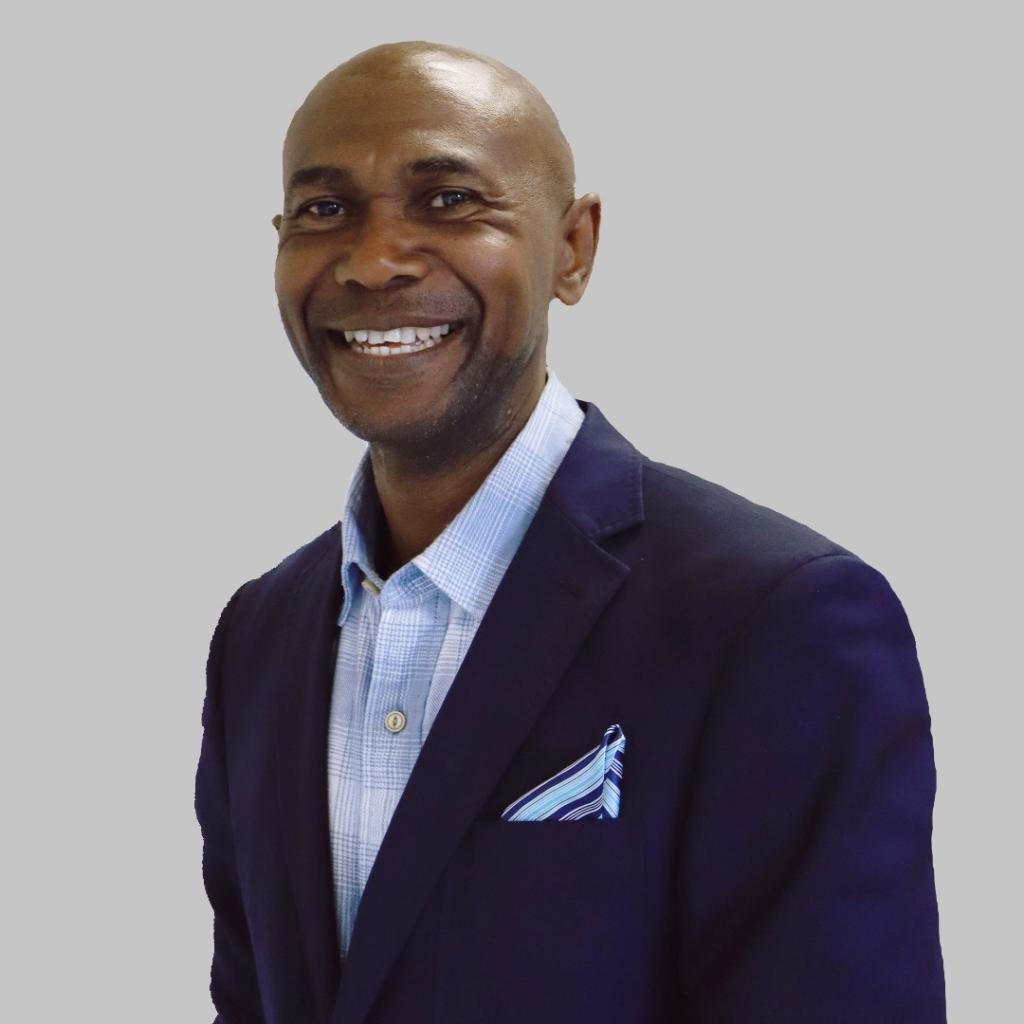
808 289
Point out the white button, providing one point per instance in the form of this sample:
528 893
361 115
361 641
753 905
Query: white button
394 721
370 587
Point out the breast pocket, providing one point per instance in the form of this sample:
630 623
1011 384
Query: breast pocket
541 923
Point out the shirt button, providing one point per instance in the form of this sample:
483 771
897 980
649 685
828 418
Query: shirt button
370 587
394 721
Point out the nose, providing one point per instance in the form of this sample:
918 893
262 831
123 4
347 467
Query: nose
382 255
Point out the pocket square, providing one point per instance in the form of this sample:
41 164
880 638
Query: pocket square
587 788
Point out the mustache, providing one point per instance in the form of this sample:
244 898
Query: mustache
412 309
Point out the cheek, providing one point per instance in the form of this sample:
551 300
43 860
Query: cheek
301 262
290 279
502 268
293 280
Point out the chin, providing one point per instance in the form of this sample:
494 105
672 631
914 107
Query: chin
390 430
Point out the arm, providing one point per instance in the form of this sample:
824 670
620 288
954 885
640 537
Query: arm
233 983
806 890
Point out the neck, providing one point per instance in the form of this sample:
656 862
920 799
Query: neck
418 505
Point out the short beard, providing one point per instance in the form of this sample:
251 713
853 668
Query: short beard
479 410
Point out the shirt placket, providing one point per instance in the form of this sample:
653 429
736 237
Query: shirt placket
389 725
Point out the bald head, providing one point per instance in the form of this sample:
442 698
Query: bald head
427 186
487 91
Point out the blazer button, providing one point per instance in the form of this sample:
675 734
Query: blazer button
394 721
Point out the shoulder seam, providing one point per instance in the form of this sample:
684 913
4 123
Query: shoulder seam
873 576
744 626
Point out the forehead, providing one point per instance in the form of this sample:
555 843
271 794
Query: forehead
380 125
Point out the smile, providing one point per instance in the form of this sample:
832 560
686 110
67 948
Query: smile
396 341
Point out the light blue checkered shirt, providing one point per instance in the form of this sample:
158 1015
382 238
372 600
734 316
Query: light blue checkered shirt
399 650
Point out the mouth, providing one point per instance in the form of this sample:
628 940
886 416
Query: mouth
396 342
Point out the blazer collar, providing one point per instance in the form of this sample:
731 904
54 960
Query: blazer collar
598 486
561 574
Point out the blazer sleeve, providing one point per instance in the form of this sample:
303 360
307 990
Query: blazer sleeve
233 982
806 887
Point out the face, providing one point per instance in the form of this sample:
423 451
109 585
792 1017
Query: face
412 205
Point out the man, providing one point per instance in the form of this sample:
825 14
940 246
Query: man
541 730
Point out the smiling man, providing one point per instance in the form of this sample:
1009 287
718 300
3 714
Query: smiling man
540 729
442 182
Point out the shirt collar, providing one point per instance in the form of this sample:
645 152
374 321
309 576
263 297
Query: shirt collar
358 533
468 559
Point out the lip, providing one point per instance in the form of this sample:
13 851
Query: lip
336 341
380 324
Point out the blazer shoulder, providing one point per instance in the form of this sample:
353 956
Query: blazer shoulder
703 536
675 495
273 588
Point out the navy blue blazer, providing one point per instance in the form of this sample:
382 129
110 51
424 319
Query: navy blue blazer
772 858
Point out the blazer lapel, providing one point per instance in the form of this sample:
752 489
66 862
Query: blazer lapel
553 593
302 765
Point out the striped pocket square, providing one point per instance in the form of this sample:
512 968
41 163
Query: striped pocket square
587 788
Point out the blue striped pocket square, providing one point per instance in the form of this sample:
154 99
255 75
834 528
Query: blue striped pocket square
587 788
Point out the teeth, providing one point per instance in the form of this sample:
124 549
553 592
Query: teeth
396 350
396 341
402 335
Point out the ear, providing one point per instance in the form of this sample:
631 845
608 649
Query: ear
579 229
276 221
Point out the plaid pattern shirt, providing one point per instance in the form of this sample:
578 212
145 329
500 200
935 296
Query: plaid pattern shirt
402 641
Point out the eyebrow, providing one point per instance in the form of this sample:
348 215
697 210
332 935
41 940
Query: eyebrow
331 176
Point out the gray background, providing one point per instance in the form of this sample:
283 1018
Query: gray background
807 289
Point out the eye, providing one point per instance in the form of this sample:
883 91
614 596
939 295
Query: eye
310 207
448 192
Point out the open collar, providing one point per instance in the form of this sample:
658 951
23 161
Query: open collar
468 559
